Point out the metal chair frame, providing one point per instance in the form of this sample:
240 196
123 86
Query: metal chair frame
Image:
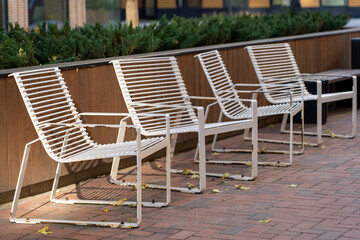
155 85
65 139
223 89
275 63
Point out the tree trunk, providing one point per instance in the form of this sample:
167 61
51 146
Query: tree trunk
132 12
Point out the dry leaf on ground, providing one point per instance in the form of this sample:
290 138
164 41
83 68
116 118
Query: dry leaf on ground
216 191
264 221
119 203
242 187
226 175
187 172
44 231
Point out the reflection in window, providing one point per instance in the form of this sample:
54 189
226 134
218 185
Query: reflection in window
3 18
150 9
103 11
189 3
284 3
333 3
236 3
53 11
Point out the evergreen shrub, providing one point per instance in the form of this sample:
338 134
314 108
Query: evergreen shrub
49 44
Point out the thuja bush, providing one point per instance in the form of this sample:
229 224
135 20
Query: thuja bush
49 44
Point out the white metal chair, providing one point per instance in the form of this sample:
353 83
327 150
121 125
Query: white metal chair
276 64
155 85
231 106
66 140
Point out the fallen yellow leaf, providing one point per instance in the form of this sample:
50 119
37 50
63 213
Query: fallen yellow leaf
323 146
333 135
144 185
44 231
327 131
119 203
159 166
189 185
293 185
106 210
194 176
216 191
126 227
271 126
264 221
248 164
215 154
226 175
187 172
277 164
242 187
227 181
263 150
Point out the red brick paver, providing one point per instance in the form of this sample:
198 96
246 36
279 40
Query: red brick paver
325 204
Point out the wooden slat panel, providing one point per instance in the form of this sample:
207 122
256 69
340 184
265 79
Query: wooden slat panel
4 163
13 147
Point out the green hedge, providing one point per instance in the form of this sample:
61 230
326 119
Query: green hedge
49 44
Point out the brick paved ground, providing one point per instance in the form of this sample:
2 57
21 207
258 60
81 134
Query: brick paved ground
325 204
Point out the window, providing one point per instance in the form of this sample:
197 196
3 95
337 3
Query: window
333 3
52 11
3 14
150 9
189 3
236 3
103 11
284 3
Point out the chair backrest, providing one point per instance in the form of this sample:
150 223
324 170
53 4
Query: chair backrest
154 85
47 100
221 83
276 64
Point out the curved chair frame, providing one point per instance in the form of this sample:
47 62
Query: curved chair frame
275 63
66 140
224 89
155 85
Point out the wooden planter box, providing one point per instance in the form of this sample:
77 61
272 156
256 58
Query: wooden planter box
94 87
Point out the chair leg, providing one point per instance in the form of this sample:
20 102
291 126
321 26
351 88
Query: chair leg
139 179
291 137
56 182
283 123
116 160
20 182
254 136
215 136
354 107
168 172
202 159
319 120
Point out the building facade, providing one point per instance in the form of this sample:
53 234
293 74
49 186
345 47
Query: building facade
28 13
